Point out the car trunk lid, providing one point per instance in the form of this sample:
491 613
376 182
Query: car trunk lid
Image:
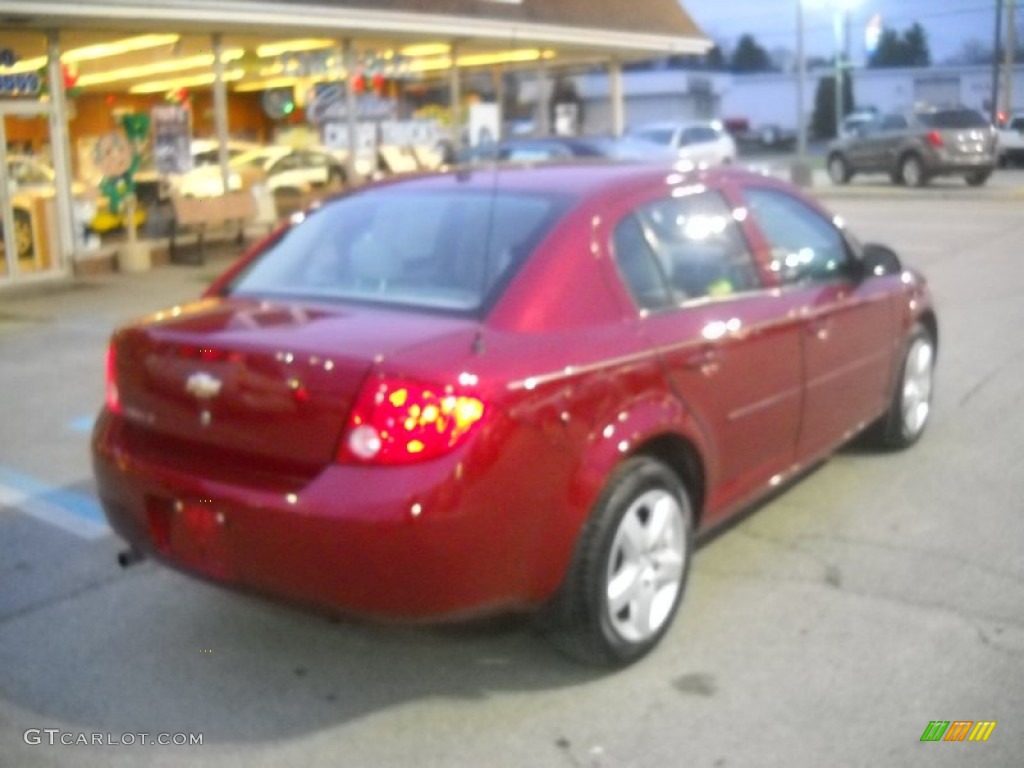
250 377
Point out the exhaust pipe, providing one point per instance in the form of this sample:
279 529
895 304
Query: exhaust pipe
129 557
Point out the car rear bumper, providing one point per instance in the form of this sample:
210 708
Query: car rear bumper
953 164
424 542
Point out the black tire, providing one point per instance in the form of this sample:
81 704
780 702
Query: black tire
912 171
909 410
643 500
838 169
977 178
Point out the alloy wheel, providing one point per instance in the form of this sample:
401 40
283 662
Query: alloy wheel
646 566
917 386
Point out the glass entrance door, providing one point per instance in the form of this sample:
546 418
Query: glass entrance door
30 242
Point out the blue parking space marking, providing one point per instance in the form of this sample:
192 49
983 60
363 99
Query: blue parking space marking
82 424
74 512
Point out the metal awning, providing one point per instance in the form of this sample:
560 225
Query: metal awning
591 29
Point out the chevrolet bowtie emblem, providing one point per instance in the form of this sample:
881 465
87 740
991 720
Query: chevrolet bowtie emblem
203 386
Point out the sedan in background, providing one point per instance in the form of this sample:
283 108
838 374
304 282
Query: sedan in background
914 147
563 148
280 169
1011 141
508 389
701 142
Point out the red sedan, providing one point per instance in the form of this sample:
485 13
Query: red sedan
503 390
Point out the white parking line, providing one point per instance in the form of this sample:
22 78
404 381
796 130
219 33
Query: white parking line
72 512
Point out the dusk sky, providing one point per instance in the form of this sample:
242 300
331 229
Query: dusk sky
949 23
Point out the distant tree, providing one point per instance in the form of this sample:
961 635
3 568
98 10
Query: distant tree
973 51
749 56
907 50
715 58
643 65
916 41
823 121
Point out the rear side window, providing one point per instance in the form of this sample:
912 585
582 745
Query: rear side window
699 134
894 123
657 135
526 153
439 249
679 249
954 118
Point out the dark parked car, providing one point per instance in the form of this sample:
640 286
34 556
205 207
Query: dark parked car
913 147
513 389
562 148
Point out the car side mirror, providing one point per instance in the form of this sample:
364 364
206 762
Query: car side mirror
879 260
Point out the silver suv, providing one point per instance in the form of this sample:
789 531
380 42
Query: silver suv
914 146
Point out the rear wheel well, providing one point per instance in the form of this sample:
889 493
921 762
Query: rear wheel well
680 455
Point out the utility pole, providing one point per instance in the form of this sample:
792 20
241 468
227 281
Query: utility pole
800 173
994 108
1009 58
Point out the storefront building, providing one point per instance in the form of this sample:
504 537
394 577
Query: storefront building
354 77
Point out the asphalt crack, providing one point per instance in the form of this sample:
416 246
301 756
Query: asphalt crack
40 605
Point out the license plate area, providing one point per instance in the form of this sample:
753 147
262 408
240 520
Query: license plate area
192 532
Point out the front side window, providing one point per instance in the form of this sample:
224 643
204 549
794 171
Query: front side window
437 249
894 123
683 248
804 244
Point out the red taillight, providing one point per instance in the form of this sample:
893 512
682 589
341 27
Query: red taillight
402 421
935 138
113 395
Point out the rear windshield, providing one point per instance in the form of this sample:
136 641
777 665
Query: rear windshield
449 250
953 118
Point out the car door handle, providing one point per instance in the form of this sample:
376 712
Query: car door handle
705 359
821 329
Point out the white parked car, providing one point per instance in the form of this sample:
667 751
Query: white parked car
1011 141
704 142
278 168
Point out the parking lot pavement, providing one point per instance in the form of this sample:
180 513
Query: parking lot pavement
829 627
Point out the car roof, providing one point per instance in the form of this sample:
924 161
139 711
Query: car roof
576 179
675 124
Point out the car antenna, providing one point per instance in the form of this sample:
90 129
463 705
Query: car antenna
488 235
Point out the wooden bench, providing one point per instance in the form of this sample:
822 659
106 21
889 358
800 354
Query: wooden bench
199 213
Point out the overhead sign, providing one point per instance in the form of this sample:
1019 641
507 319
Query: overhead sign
17 83
172 138
328 104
